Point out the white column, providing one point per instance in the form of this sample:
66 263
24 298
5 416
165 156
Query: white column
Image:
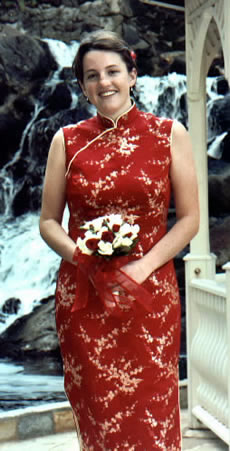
201 261
226 267
197 130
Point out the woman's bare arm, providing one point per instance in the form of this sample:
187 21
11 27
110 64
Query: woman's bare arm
54 200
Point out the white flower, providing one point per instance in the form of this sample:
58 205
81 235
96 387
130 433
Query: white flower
114 219
117 242
126 242
125 229
90 234
97 223
86 225
135 229
82 246
121 241
105 248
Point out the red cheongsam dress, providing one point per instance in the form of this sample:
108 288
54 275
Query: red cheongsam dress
121 371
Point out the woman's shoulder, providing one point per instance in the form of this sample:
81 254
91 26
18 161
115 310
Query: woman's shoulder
158 124
180 136
178 128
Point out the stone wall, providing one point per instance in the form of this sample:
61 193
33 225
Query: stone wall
156 34
35 422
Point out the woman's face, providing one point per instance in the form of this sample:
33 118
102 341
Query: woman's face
107 82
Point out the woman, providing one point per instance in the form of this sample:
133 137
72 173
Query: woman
121 371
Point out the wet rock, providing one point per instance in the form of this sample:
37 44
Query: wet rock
11 306
29 170
11 130
220 241
25 62
4 89
61 98
220 114
24 58
226 148
176 62
32 334
222 85
219 193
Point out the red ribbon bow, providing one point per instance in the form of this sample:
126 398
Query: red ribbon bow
105 276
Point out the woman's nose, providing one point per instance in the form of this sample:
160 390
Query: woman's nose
103 79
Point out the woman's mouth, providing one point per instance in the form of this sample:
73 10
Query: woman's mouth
107 93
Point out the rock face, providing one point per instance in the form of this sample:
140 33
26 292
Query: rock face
25 63
220 241
32 334
156 34
219 193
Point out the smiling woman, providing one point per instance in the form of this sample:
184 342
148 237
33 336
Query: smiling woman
107 82
106 71
118 316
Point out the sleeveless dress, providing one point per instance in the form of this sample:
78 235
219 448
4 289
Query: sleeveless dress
121 373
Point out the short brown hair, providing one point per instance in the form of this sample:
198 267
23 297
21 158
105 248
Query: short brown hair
102 40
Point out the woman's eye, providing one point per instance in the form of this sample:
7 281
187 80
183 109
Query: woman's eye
91 76
113 72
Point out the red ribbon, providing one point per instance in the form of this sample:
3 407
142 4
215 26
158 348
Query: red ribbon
108 278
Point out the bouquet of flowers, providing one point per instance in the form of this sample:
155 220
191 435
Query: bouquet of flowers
108 236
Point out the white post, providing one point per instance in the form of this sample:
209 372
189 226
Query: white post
199 263
198 132
226 267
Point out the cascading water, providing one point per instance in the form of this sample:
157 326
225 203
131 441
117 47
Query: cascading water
22 250
27 266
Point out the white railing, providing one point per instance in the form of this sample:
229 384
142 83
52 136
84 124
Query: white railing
208 350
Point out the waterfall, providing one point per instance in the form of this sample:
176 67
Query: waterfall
215 150
63 54
27 266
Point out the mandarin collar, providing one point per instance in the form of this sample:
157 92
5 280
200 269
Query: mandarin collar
124 119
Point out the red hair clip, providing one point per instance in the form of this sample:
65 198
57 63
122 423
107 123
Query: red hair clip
133 55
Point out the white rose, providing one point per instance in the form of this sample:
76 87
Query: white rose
125 229
135 229
97 223
126 242
85 226
90 234
117 241
114 219
105 248
82 246
121 241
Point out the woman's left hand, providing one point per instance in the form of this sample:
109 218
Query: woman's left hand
136 270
